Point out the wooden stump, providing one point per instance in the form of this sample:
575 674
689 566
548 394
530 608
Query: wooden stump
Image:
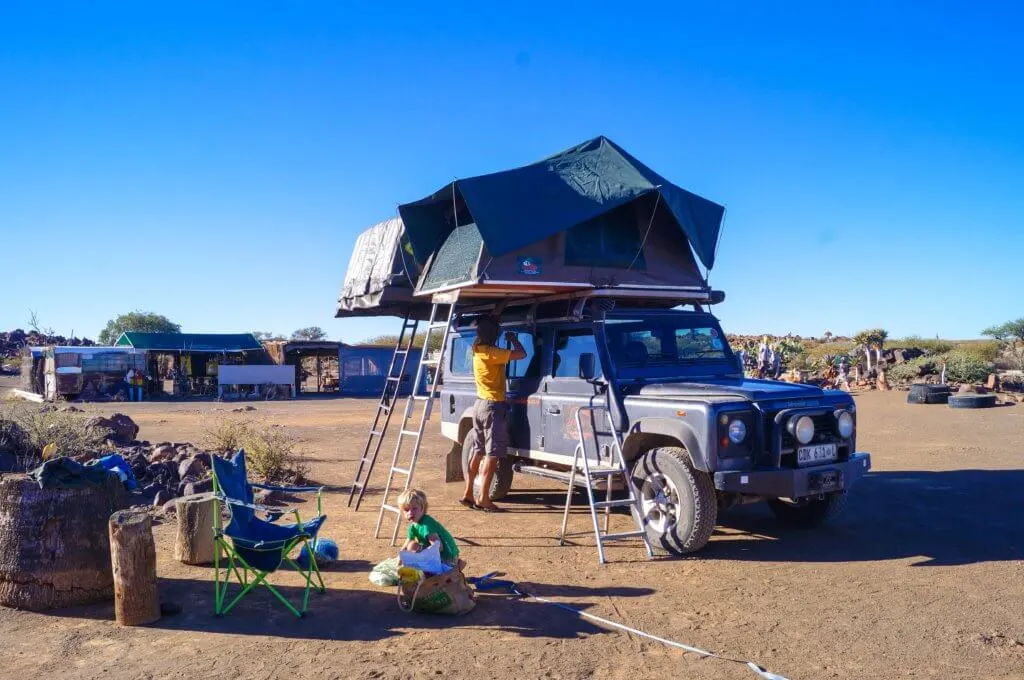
194 544
54 546
133 555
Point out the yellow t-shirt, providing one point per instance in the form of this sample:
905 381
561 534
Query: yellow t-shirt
489 371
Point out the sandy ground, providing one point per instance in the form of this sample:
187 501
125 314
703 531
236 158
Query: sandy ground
922 577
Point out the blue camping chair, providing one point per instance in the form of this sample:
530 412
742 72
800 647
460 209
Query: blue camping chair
256 547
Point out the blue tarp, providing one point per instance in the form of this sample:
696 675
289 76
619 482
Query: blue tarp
362 371
515 208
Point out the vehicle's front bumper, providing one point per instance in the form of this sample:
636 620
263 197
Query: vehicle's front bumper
790 483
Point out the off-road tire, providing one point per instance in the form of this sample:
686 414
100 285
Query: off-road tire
972 400
810 514
503 474
697 509
928 394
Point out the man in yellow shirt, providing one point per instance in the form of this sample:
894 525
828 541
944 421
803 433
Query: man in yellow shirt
490 413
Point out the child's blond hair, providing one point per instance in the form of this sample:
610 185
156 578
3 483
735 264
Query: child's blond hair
413 495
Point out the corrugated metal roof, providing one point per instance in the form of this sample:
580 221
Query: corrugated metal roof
191 342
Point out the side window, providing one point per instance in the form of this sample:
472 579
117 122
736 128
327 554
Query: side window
462 354
569 345
530 366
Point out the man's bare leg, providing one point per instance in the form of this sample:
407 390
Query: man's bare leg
490 465
474 468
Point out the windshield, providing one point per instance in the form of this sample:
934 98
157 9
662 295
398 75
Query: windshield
664 342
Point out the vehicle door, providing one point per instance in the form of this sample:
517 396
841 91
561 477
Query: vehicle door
564 392
524 380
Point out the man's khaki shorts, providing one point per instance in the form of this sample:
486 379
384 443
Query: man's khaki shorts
490 428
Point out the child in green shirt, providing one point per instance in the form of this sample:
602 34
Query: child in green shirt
424 530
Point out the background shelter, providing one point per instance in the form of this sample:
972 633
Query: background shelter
364 369
316 363
87 373
590 217
185 364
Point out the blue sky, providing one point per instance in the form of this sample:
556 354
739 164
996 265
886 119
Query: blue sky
214 162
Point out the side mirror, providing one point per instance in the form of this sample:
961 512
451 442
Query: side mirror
587 369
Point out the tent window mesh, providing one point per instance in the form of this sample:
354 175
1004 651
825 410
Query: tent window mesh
609 240
456 259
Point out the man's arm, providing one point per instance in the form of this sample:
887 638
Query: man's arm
517 347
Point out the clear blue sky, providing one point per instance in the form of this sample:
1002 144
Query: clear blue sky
214 162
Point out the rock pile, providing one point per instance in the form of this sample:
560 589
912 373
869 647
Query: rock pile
12 342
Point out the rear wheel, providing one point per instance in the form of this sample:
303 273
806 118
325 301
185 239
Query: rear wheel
502 482
808 512
677 500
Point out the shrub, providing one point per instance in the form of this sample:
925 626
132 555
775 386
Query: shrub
915 368
964 367
270 451
42 425
271 454
225 435
984 350
816 355
932 346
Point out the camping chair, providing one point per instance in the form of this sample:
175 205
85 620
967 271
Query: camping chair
257 547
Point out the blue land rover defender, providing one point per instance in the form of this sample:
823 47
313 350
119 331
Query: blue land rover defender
697 436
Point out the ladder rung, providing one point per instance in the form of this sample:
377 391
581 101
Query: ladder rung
440 324
391 508
410 433
385 408
624 534
604 471
420 397
403 471
401 351
430 362
358 485
376 432
394 377
620 503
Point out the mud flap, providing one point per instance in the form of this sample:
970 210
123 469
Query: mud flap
453 464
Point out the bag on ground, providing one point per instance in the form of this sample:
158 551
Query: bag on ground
446 593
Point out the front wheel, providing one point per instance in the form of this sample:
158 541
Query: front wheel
677 500
502 482
808 512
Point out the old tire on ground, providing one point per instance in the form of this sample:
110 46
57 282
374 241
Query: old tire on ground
502 482
928 394
972 400
677 500
808 512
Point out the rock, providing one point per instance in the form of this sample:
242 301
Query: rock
190 467
191 488
897 356
993 382
140 465
170 507
123 429
204 458
162 452
967 389
163 497
72 409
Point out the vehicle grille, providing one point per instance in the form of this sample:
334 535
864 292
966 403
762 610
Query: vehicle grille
824 433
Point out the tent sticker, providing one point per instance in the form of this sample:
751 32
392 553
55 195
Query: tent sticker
529 266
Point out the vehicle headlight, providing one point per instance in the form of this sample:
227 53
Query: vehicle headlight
802 429
737 431
844 424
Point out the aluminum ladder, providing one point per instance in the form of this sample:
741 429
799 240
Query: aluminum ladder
382 418
616 466
405 433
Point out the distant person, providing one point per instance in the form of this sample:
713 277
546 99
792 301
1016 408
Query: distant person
490 413
763 356
776 362
131 380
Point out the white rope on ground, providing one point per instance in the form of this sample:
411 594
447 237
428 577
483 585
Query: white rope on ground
671 643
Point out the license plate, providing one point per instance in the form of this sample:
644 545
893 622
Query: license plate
812 455
829 480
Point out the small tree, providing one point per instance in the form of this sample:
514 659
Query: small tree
309 333
1010 336
137 321
263 335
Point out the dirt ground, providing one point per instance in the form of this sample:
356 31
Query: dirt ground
922 577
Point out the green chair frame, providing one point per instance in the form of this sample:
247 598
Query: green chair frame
248 576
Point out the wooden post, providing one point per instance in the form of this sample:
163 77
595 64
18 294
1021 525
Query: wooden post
194 544
133 556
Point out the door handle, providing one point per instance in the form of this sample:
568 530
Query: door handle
555 409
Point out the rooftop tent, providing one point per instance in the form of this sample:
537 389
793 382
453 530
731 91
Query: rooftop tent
590 217
381 274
